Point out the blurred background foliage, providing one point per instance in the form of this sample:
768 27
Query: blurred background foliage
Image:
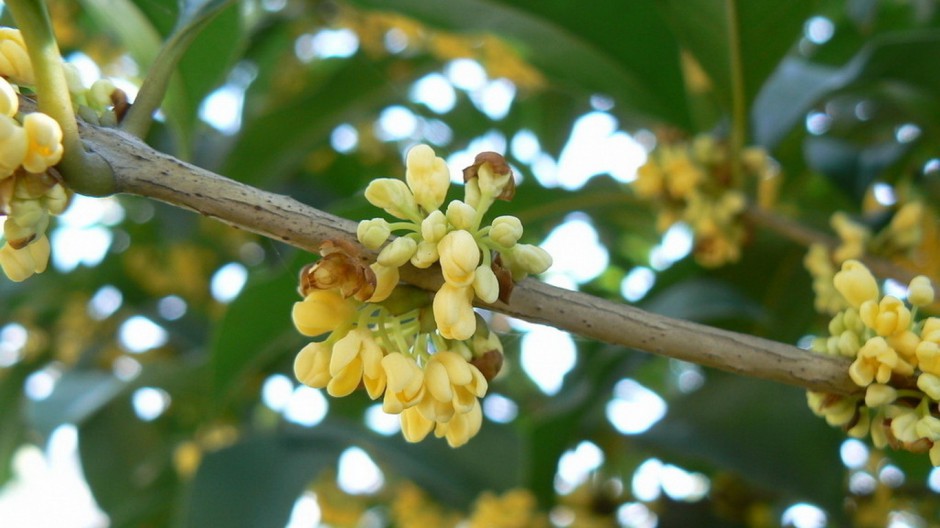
168 349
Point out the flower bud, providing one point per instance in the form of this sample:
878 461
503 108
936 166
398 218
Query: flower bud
45 142
427 176
398 252
453 312
930 384
394 197
920 292
27 212
434 227
9 100
485 284
856 283
73 78
405 383
425 255
312 365
99 95
532 259
14 60
56 199
879 394
20 264
386 279
373 233
414 426
13 145
460 256
506 230
461 215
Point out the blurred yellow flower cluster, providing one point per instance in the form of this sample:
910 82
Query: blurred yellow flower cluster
429 358
692 182
890 349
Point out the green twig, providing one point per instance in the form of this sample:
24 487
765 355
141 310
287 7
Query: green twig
83 172
738 94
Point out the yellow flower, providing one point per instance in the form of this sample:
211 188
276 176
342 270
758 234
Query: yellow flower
459 256
322 311
45 142
405 385
414 426
461 427
856 283
312 365
649 181
928 357
879 394
531 259
920 291
9 100
425 255
356 358
20 264
453 311
14 60
930 384
905 343
373 233
453 386
889 317
461 215
877 361
427 176
434 227
485 284
398 252
386 278
13 145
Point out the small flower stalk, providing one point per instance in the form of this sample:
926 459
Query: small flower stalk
429 357
895 360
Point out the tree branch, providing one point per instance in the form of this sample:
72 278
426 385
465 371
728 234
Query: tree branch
143 171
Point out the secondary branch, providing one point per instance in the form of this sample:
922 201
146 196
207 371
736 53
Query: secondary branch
143 171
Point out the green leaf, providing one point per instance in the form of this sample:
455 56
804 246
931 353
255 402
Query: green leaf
704 300
851 167
766 29
254 483
763 431
902 58
256 327
77 396
12 425
622 49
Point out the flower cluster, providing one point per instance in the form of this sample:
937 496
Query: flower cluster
890 349
30 145
429 358
692 182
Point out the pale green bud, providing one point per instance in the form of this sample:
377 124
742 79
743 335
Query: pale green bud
26 212
99 95
434 227
929 427
20 264
848 343
73 78
56 199
532 259
461 215
13 145
18 236
485 284
427 176
471 192
9 101
398 252
394 197
425 255
373 233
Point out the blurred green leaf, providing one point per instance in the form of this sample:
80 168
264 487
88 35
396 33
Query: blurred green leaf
703 300
254 483
622 49
762 431
905 58
78 394
767 29
12 425
852 168
256 327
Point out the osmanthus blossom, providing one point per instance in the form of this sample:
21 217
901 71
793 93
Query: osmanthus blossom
428 356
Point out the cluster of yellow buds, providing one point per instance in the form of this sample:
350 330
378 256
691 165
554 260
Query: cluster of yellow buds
430 358
901 235
101 104
692 182
30 145
896 359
